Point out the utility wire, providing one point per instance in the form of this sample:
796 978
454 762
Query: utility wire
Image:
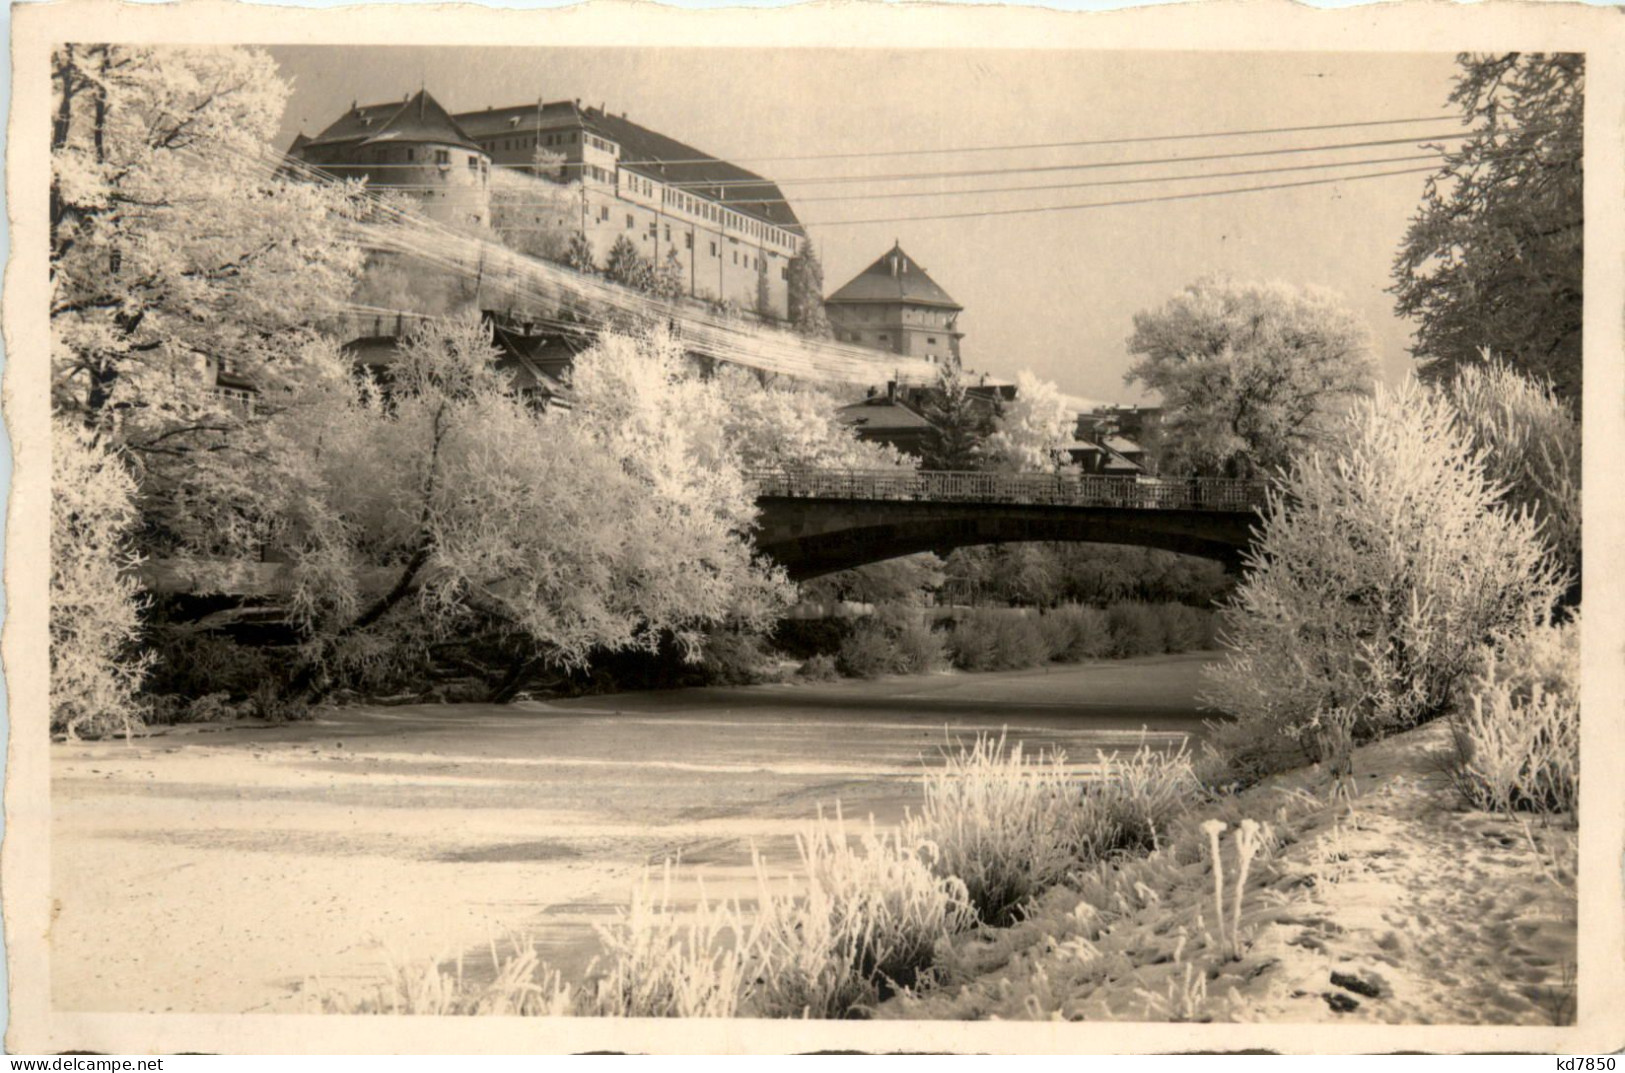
1138 181
1133 140
810 180
1085 166
1125 201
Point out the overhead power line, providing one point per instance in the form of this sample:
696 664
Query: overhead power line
1137 181
819 180
1082 166
1121 202
1139 139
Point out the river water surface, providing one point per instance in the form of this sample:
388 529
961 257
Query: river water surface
239 869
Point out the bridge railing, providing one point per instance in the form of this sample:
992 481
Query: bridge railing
1068 490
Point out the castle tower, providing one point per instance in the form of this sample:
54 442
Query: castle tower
894 305
414 146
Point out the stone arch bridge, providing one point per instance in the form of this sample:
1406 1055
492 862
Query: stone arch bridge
818 521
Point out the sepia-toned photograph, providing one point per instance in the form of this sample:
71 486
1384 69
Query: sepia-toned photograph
885 533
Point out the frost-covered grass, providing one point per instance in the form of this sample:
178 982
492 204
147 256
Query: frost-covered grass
522 986
1010 824
863 920
660 962
1517 738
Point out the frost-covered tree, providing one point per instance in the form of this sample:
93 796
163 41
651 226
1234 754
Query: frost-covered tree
621 524
806 293
179 252
1531 445
787 424
96 668
1494 258
1384 561
1031 433
670 281
1250 374
628 267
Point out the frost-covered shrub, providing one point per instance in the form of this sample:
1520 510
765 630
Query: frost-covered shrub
864 919
1381 566
990 639
195 662
1185 628
735 658
867 653
274 704
1073 634
1001 821
1130 803
1517 737
919 648
1532 445
1136 630
819 669
95 616
660 961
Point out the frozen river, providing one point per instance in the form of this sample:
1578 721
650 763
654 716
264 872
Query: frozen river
233 870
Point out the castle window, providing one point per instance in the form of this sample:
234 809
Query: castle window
629 222
931 341
411 154
442 156
713 249
668 232
688 241
603 213
473 162
784 273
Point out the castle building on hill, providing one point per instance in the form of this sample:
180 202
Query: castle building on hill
412 145
894 305
733 231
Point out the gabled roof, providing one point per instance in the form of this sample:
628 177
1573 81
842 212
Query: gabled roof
647 153
419 118
895 278
881 414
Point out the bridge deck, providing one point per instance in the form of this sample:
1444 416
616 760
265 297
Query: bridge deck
1066 490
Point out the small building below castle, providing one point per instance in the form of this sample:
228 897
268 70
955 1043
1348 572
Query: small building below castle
894 305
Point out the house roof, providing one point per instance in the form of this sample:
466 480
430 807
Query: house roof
648 153
881 414
419 118
895 277
1122 445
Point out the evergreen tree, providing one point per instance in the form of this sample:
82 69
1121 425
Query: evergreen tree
628 267
960 424
806 297
579 254
669 282
1493 260
764 296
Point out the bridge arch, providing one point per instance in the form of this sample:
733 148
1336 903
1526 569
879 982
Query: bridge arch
818 522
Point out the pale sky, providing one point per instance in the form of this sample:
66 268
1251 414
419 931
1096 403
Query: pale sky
1054 292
